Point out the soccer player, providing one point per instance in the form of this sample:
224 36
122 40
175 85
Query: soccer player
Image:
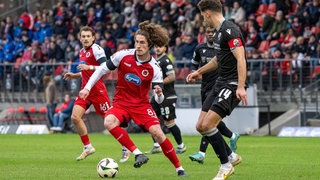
230 87
202 55
91 56
167 109
137 72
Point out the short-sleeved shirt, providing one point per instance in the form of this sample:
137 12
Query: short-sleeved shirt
202 55
98 96
227 37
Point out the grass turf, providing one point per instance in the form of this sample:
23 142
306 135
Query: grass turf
53 157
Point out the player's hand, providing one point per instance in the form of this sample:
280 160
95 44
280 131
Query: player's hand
67 76
242 96
192 77
83 94
157 90
83 67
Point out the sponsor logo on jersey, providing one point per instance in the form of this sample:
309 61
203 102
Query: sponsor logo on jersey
133 78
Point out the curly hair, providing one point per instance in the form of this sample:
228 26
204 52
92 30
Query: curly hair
154 33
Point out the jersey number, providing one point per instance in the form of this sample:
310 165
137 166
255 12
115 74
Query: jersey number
225 93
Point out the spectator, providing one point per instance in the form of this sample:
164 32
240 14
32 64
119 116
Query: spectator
279 24
238 14
188 48
311 52
60 28
146 13
50 96
63 113
177 51
253 39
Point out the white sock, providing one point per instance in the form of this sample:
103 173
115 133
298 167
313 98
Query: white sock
156 144
233 136
179 168
136 152
202 153
181 145
232 155
87 146
227 165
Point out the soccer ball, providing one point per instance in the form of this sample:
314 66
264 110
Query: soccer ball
107 168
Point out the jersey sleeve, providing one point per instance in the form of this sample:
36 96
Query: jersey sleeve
234 38
195 62
118 56
157 76
167 67
98 52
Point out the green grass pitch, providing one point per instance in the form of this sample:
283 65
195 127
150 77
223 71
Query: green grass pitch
53 157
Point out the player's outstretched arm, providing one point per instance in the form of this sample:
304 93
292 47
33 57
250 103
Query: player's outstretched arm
70 75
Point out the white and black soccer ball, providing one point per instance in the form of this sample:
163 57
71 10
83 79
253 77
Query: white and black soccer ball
107 168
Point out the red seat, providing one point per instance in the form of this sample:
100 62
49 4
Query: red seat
20 109
272 9
315 72
262 9
32 109
260 20
43 110
315 30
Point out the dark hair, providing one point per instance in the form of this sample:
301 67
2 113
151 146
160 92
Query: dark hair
211 5
154 33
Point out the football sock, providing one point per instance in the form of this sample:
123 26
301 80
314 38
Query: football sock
204 144
168 151
175 131
179 168
123 138
233 136
202 153
226 165
180 145
217 142
155 143
85 140
137 151
224 130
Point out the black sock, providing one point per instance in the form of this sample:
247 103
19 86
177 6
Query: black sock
204 144
217 142
176 133
224 130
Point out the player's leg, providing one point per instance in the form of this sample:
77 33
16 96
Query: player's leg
155 149
225 131
167 147
168 114
208 130
199 156
76 117
115 117
156 146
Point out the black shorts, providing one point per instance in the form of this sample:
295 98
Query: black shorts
166 110
222 99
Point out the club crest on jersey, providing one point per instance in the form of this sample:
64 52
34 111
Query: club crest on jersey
133 78
236 43
145 73
88 54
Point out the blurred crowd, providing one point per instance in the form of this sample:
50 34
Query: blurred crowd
273 29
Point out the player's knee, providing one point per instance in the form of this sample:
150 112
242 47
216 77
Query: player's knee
110 122
75 118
